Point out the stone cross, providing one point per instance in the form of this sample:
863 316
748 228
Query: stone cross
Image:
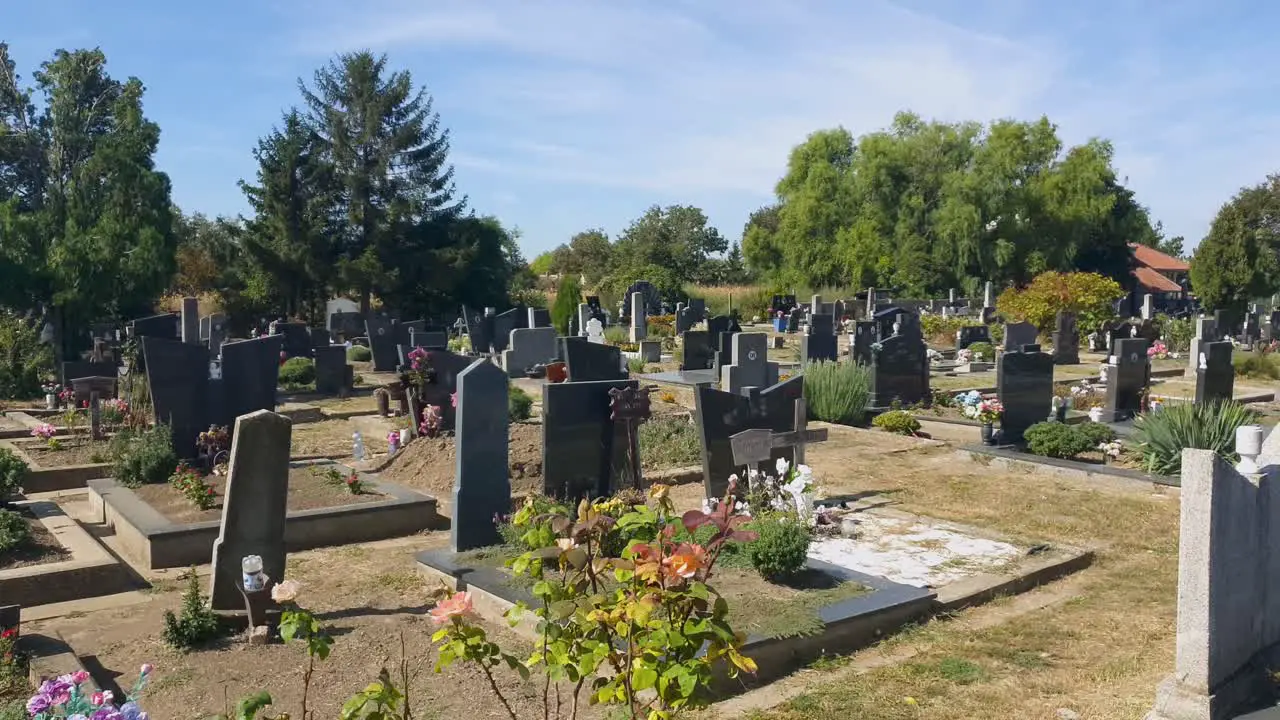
630 406
751 447
255 505
639 326
95 388
481 485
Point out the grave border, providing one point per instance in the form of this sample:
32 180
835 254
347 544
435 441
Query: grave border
91 571
1073 468
64 477
849 624
153 542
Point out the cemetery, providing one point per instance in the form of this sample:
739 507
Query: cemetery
892 454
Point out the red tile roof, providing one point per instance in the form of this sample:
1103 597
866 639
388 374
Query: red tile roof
1154 282
1156 260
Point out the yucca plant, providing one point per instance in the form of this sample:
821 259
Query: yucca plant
1161 437
837 392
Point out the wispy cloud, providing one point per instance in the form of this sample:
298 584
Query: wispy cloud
705 99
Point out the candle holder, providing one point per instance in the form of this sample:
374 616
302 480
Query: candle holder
1249 447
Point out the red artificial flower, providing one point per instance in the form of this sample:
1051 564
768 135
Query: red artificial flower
8 634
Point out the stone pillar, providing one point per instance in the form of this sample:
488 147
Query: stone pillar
191 320
639 325
871 302
584 314
95 416
951 295
815 305
532 321
988 295
1148 307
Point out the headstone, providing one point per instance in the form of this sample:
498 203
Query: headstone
1018 334
1224 324
178 378
217 332
504 323
1205 332
528 347
333 374
382 344
651 351
971 334
871 302
584 451
190 320
699 354
158 326
793 319
629 407
539 317
815 305
1066 339
899 371
988 295
319 338
479 330
753 447
297 339
250 374
860 342
254 507
589 362
1128 379
481 486
1025 388
346 323
436 339
443 368
721 415
751 366
584 317
639 321
652 299
1216 376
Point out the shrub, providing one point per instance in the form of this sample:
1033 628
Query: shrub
837 392
13 472
996 330
1177 332
1162 436
781 547
519 404
142 457
635 365
568 296
359 353
1256 366
900 422
14 531
1056 440
297 371
191 485
941 330
196 625
669 442
1096 433
616 335
460 344
985 349
24 360
1089 295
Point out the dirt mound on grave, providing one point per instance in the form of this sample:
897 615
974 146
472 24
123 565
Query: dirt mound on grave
428 464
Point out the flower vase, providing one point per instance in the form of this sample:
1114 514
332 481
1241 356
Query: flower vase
51 401
988 434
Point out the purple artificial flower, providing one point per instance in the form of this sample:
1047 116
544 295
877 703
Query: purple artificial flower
38 704
106 713
77 716
131 711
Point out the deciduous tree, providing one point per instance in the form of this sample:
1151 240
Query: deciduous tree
1237 261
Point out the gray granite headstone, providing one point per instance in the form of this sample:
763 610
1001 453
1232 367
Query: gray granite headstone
528 347
651 351
481 486
639 321
750 366
1025 388
1216 377
584 451
1018 334
899 371
429 339
255 505
331 369
1205 333
205 323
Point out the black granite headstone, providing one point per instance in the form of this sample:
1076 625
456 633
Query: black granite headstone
588 361
1127 380
584 452
698 352
541 317
1066 339
297 338
382 344
864 336
721 415
818 347
1216 376
178 378
504 323
331 369
899 371
319 338
250 373
444 367
481 485
971 334
1025 388
158 326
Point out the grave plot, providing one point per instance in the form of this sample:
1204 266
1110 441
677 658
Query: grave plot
47 557
61 463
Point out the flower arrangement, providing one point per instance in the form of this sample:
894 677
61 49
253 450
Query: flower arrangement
964 356
64 697
1086 395
114 411
1110 449
986 411
214 441
965 401
933 355
791 490
432 421
67 397
50 388
192 486
47 433
1158 351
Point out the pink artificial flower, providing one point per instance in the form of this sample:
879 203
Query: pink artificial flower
457 605
146 669
96 699
453 398
79 676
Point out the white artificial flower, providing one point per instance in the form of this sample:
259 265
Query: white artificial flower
734 479
753 477
782 466
286 591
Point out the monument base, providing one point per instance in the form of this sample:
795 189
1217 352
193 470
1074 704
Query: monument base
1247 691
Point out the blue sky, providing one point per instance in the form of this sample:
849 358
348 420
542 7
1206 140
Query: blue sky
571 114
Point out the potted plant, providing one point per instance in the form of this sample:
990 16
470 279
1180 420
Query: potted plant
50 395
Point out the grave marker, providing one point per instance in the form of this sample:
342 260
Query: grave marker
1216 376
899 371
752 447
630 407
584 451
1018 334
1205 333
588 361
382 344
720 415
1127 379
190 320
639 322
1025 388
333 375
482 486
1066 339
529 347
698 352
750 366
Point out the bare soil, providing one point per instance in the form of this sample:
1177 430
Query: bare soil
42 548
309 489
429 464
78 451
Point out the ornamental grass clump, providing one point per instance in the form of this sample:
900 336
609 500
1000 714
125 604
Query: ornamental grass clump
837 392
1162 436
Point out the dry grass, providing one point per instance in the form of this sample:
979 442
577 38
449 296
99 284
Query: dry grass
1100 654
332 437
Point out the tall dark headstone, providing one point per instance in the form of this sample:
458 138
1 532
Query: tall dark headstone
1066 339
589 362
1025 388
481 485
584 452
382 344
444 367
698 351
1216 376
297 338
503 323
864 336
1127 379
720 415
255 506
429 339
819 342
178 378
158 326
1018 334
250 374
190 320
971 334
899 371
332 371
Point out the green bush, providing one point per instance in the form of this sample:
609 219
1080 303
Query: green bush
14 531
1177 332
635 365
1056 440
985 349
996 330
669 442
1096 433
941 330
460 344
24 361
519 404
359 353
1256 365
143 457
837 392
900 422
781 548
1161 437
616 335
297 371
13 472
568 296
196 625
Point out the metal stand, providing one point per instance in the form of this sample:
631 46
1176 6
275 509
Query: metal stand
260 609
